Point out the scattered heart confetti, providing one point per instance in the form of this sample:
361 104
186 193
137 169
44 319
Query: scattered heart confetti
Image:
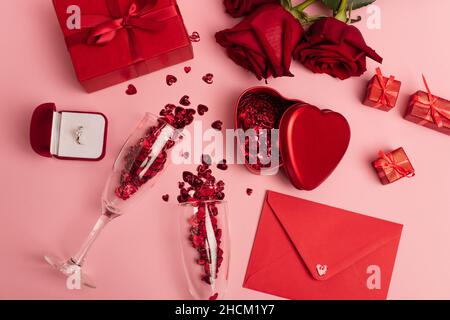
194 37
222 165
214 296
217 125
202 186
187 69
131 90
184 101
165 197
202 109
249 191
169 108
170 79
208 78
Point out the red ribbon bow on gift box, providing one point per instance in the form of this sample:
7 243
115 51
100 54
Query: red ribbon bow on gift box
134 18
100 30
436 111
387 161
384 98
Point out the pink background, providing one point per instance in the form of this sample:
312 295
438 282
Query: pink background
49 205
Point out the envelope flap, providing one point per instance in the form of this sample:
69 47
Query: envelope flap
328 239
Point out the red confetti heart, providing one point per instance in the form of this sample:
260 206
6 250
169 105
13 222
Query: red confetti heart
194 37
217 125
170 79
187 69
184 101
131 90
222 165
165 197
202 109
208 78
214 296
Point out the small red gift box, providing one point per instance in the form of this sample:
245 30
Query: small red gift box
429 111
68 135
122 39
382 92
393 166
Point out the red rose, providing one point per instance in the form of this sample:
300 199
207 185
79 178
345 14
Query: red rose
239 8
335 48
264 41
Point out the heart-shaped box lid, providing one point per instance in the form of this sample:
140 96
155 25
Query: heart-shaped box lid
312 143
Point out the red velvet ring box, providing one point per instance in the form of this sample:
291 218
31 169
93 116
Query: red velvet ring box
54 133
118 40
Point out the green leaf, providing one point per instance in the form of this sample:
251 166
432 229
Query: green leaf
332 4
286 4
355 4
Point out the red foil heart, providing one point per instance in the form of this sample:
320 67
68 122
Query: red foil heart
312 142
131 90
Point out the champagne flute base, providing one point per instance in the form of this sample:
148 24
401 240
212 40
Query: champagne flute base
69 268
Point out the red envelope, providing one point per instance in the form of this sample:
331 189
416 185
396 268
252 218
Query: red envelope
307 250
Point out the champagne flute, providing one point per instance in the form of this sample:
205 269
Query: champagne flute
205 247
142 158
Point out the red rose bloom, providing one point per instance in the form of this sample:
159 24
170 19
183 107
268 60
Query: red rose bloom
335 48
264 41
239 8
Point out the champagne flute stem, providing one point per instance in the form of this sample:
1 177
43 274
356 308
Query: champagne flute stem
79 258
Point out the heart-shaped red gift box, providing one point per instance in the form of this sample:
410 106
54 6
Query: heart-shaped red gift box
311 141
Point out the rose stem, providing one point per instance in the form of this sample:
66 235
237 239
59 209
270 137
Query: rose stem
342 12
305 4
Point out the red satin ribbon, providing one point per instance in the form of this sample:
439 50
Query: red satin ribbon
134 18
387 161
100 30
436 111
384 98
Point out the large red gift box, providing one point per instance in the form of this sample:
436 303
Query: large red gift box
429 110
122 39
